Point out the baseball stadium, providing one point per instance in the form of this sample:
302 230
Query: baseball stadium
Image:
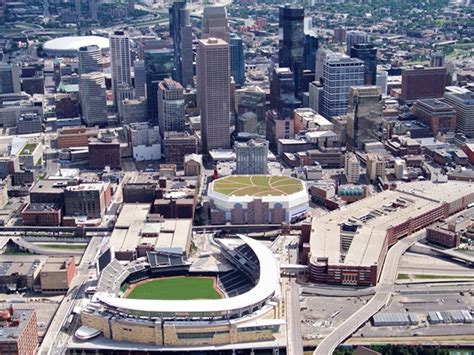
165 301
258 199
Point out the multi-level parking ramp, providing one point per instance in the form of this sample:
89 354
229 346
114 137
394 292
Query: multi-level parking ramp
382 296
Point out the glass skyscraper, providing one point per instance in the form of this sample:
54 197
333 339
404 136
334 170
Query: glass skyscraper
159 65
291 43
237 60
368 53
181 33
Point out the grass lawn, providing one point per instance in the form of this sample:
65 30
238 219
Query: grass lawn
176 288
257 185
403 277
64 246
447 277
30 147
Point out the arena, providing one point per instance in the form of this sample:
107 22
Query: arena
257 199
244 306
68 46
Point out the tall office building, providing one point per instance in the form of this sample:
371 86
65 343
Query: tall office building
181 33
140 78
213 89
78 8
340 73
237 60
364 119
93 10
158 66
9 79
368 53
462 100
170 106
93 98
436 59
124 92
252 157
322 54
355 37
90 59
131 5
423 83
351 168
291 43
311 45
214 23
120 61
282 92
340 34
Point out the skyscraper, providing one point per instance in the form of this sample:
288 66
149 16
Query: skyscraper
140 78
368 53
93 99
252 157
311 45
462 100
93 9
181 32
170 106
364 119
9 79
436 59
282 92
90 59
158 66
120 61
291 43
354 37
213 89
340 73
237 60
214 23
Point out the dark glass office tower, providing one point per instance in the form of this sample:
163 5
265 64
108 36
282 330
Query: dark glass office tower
282 92
291 43
158 66
181 32
311 45
368 53
237 60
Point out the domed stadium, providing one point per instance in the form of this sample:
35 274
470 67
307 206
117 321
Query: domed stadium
68 46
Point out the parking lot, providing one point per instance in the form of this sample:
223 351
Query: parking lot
320 315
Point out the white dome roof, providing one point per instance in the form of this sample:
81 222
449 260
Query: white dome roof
73 43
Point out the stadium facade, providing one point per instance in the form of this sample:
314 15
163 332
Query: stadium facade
348 246
249 312
257 199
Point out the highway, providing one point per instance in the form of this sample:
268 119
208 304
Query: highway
51 343
295 343
381 297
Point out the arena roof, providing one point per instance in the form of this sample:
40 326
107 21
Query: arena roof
71 44
267 287
375 215
257 185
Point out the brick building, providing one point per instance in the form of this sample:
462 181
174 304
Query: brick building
437 114
19 332
42 214
422 83
104 152
176 145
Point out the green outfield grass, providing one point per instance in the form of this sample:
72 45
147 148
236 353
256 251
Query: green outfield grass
176 288
257 185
